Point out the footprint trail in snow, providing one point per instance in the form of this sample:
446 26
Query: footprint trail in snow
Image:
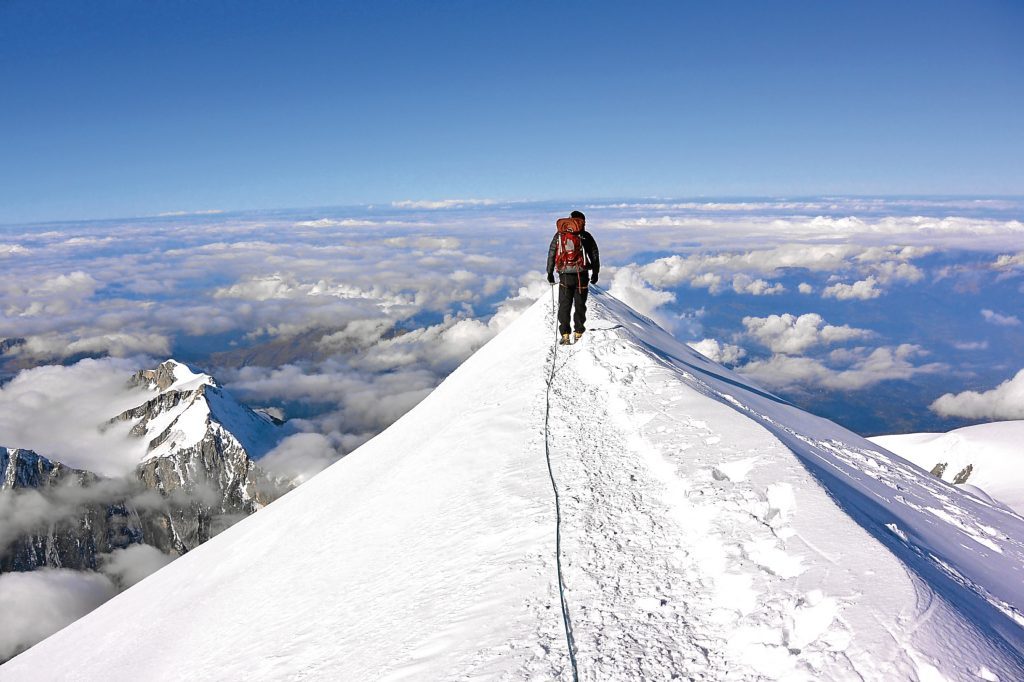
697 546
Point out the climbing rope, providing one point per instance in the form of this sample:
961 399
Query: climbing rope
570 642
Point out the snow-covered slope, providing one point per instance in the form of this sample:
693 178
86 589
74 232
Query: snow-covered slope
709 531
985 456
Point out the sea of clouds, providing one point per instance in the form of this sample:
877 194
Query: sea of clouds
348 317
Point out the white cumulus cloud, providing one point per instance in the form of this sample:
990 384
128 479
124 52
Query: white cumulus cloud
876 265
1005 401
793 335
1006 261
58 411
56 295
54 346
131 564
862 290
632 289
301 456
862 368
745 284
723 353
992 317
12 250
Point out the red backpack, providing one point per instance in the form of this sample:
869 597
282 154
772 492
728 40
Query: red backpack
570 246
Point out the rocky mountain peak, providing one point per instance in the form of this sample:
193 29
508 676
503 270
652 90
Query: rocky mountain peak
170 374
187 406
202 444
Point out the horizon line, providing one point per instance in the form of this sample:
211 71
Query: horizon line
477 203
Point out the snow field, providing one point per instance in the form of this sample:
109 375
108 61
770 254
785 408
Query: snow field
677 563
993 451
965 592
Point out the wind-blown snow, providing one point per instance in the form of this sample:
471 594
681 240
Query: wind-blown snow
710 530
993 451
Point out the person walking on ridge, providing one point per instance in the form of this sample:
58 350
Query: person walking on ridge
573 252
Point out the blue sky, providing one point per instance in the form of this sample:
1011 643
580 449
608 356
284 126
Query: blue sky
126 108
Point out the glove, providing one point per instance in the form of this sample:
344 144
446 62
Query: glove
593 278
551 278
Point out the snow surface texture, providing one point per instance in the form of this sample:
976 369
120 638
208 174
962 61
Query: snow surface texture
710 531
995 453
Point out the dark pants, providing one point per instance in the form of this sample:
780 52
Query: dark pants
572 289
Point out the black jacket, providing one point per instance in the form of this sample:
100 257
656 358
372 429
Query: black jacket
589 248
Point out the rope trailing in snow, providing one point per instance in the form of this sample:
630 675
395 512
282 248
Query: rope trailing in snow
570 642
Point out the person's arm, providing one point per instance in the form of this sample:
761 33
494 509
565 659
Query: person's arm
551 258
593 255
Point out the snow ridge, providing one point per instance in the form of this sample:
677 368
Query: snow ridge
974 555
709 531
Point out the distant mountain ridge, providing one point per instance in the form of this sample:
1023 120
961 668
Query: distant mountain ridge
23 468
187 407
200 461
74 541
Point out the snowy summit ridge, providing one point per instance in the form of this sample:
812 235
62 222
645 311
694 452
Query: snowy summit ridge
709 530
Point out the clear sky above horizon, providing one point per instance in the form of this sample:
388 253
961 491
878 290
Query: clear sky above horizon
124 108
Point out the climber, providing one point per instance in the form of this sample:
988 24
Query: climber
573 252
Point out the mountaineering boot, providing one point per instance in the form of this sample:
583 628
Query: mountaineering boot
564 341
579 335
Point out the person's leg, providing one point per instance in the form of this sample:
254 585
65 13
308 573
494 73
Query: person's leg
580 317
565 296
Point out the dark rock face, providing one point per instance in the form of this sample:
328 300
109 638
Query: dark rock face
162 377
210 486
173 503
150 409
64 512
963 475
76 542
26 469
